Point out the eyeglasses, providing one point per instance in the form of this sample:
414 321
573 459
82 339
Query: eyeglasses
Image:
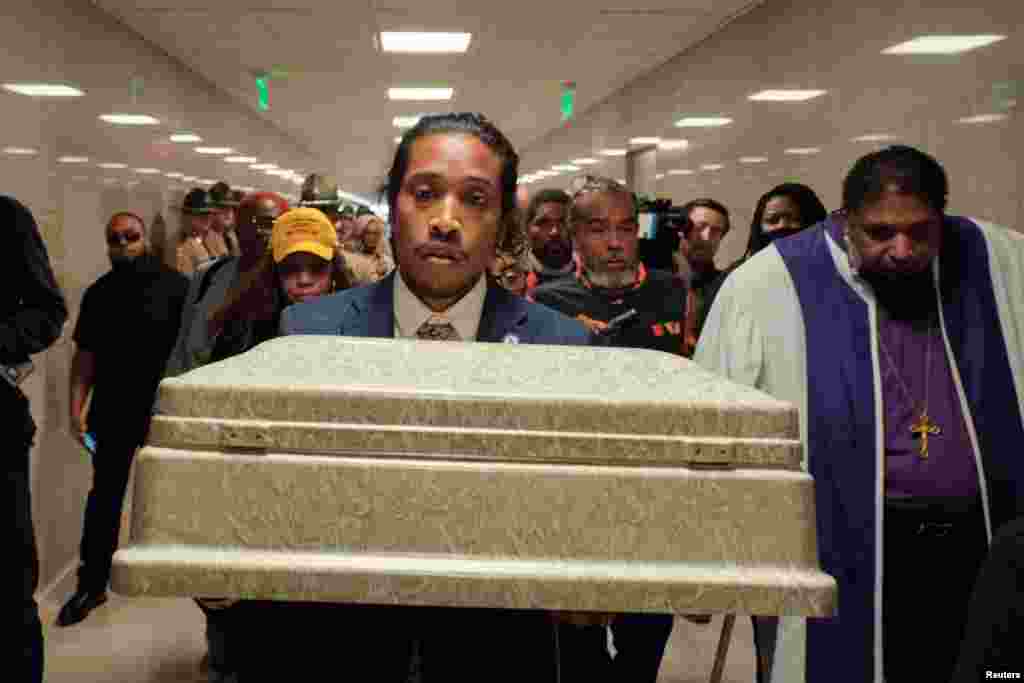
116 239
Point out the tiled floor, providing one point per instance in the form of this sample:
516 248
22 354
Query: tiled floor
161 641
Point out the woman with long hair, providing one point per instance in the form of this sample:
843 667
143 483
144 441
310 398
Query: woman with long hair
303 262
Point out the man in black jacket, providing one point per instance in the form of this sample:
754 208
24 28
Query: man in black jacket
32 312
627 305
126 328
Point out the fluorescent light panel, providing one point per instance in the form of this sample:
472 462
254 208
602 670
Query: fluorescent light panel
803 151
241 160
130 119
263 167
147 171
786 95
406 121
185 137
112 166
703 122
670 145
175 175
72 160
585 162
753 160
43 89
412 42
215 150
712 167
421 94
644 141
680 171
614 152
21 151
942 45
873 137
189 179
983 118
565 167
659 176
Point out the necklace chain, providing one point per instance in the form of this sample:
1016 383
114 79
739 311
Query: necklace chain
927 369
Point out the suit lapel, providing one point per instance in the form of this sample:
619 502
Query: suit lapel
373 314
504 314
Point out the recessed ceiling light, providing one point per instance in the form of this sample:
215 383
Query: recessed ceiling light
786 95
680 171
215 150
942 45
241 160
147 171
565 167
21 151
669 145
712 167
424 42
659 176
406 121
984 118
421 94
185 137
613 152
43 89
703 122
585 162
644 141
174 175
112 166
803 151
72 160
873 137
753 160
130 119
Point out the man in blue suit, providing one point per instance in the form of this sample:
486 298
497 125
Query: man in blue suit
451 191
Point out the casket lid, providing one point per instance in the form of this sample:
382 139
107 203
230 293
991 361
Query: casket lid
555 392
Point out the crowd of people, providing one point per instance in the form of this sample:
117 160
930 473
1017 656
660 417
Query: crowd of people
895 328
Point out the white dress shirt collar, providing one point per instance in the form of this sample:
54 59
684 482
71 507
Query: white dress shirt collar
464 315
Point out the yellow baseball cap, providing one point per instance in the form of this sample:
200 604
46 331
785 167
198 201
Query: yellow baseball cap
303 229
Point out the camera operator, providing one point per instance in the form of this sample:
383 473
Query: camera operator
32 313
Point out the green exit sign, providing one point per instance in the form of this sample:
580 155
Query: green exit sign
568 100
263 89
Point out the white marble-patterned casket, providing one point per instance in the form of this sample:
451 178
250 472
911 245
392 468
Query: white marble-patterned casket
492 475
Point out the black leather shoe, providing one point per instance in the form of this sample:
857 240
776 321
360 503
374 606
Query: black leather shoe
78 607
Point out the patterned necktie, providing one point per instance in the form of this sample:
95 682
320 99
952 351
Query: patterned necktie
437 329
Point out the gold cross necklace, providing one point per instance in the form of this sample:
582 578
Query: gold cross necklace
922 427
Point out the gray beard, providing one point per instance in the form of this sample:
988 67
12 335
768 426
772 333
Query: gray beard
612 280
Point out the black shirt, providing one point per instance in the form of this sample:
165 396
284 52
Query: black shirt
129 319
658 298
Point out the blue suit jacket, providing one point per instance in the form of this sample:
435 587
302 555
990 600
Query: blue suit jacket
370 312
